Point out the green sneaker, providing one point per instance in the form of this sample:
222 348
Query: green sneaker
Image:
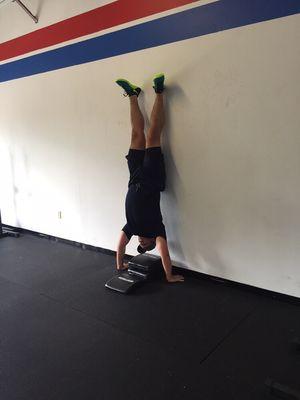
158 81
129 88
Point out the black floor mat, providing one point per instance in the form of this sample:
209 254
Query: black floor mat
63 335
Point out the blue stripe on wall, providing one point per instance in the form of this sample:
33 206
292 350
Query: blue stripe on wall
202 20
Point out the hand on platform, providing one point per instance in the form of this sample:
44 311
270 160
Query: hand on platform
123 267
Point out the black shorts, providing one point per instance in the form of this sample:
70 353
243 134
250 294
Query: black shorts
147 167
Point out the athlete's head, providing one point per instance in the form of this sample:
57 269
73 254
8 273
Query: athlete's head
146 244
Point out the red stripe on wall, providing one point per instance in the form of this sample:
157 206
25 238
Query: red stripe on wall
104 17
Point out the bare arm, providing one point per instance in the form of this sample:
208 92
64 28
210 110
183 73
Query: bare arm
121 248
162 247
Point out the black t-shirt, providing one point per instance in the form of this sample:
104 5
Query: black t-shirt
143 214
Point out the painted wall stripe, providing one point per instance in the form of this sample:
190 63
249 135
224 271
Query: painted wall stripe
112 14
213 17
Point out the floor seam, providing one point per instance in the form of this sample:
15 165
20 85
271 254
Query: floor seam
215 348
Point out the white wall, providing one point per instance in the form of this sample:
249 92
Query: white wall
231 143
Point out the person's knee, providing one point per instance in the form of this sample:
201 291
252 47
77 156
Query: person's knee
138 142
152 142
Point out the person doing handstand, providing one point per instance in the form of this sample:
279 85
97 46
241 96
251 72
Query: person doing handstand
147 179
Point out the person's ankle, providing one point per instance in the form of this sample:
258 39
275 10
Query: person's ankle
133 97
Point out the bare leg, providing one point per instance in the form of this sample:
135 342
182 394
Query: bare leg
138 140
156 122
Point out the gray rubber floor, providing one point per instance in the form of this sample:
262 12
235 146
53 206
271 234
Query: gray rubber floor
64 336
